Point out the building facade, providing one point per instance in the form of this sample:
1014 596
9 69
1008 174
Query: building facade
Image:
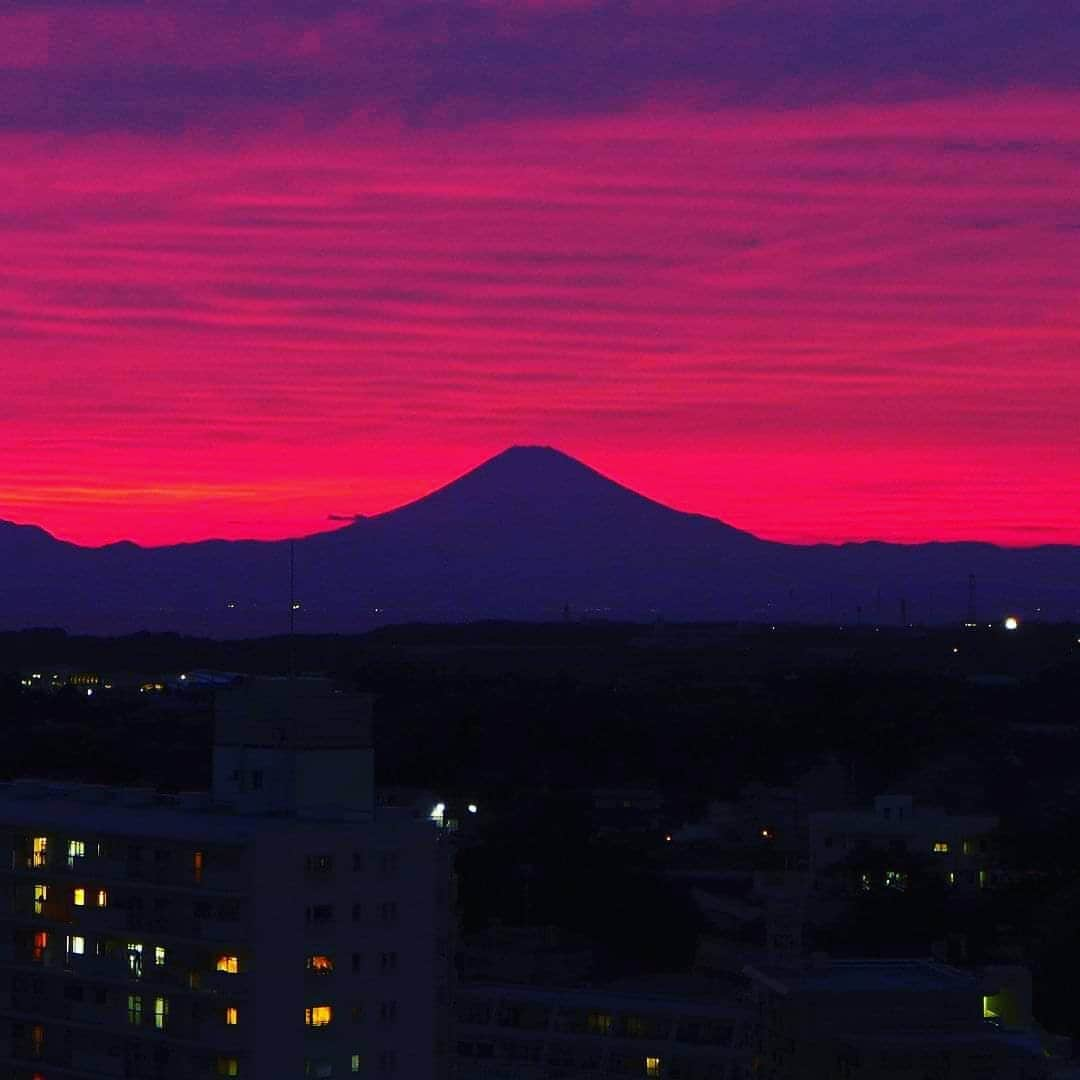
650 1030
279 926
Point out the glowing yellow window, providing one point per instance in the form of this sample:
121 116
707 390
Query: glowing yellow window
41 894
159 955
228 1066
134 1009
161 1012
232 1015
229 964
40 850
80 898
76 850
941 847
318 1015
989 1010
652 1066
321 964
102 898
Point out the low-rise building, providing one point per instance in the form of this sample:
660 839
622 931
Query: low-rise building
676 1027
895 1019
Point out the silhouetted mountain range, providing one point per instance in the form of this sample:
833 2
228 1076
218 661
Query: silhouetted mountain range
525 535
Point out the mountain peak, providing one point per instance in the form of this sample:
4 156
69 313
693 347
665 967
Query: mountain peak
538 474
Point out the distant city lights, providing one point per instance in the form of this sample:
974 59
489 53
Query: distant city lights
471 808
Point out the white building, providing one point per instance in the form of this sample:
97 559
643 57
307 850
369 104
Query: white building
959 846
280 926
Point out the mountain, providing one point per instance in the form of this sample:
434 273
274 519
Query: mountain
522 536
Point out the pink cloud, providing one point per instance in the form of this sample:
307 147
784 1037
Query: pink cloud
834 322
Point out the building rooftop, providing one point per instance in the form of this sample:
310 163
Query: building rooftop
143 812
658 993
863 976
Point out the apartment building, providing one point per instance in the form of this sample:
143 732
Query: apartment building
282 925
679 1028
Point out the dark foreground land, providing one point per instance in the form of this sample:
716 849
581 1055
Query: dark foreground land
527 722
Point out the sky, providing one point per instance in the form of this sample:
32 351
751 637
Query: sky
809 266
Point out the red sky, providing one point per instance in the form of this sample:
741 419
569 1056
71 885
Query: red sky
824 314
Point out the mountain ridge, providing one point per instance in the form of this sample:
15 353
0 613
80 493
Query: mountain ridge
523 535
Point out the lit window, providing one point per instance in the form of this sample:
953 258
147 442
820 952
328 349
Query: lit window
80 898
134 951
232 1015
318 1015
354 1063
134 1009
599 1023
984 879
229 964
37 1038
319 864
228 1066
102 898
40 850
989 1012
159 955
161 1012
652 1066
896 879
41 943
952 877
321 964
76 944
41 894
76 850
941 847
968 847
197 866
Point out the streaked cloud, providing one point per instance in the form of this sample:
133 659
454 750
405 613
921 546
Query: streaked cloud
810 267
